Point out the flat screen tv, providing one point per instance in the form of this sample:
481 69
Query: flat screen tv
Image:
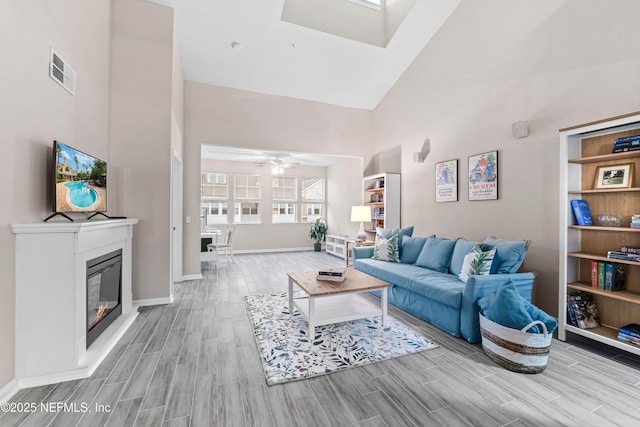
80 181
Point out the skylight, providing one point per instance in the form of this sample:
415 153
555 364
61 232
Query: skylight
372 4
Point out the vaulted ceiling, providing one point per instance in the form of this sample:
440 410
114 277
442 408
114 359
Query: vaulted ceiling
333 51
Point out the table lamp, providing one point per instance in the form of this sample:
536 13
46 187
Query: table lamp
361 214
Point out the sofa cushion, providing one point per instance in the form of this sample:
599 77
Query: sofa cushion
477 263
386 249
411 247
507 308
460 250
509 254
436 254
441 287
388 232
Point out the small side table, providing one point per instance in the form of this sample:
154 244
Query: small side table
355 243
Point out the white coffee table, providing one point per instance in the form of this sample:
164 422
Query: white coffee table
332 302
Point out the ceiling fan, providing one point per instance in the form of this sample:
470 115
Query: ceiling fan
278 164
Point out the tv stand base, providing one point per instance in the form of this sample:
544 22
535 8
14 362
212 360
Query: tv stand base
56 214
107 216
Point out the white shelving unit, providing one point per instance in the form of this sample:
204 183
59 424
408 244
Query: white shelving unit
336 244
382 193
583 149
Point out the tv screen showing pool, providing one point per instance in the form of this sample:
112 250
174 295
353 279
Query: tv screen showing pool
81 181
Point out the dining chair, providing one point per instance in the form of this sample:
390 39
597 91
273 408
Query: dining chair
225 246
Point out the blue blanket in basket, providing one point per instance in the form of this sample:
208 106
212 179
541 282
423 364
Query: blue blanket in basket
507 308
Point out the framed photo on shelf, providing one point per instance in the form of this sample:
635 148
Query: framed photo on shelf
483 176
614 176
447 181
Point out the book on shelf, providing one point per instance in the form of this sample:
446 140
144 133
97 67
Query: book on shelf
594 274
571 314
601 268
630 250
585 310
608 277
623 256
581 212
632 329
629 337
628 341
627 143
619 276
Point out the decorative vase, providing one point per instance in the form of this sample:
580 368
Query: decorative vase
317 247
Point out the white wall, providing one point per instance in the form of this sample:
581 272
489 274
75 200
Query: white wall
266 235
34 110
229 117
344 190
552 63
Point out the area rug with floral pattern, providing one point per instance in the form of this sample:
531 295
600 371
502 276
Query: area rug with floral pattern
287 354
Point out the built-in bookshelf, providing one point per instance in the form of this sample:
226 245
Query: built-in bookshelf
382 194
583 149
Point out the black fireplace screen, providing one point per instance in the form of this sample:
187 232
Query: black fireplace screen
104 288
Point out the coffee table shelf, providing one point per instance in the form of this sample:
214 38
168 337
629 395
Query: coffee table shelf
333 302
337 308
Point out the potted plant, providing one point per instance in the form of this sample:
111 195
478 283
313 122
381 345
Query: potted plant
317 232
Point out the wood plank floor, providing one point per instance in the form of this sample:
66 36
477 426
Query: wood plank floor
195 363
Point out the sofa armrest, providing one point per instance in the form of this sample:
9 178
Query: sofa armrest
362 252
480 286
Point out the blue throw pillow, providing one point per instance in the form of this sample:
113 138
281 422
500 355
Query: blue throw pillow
388 232
460 250
436 254
509 254
411 247
506 307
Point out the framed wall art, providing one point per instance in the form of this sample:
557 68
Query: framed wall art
447 181
614 176
483 176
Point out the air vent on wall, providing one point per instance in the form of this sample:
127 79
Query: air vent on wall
62 73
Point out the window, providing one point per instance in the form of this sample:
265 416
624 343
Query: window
284 197
371 4
312 199
214 198
247 199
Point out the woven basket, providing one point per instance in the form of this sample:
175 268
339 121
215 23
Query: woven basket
516 350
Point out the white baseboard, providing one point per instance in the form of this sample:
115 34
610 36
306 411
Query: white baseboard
264 251
152 301
191 277
8 391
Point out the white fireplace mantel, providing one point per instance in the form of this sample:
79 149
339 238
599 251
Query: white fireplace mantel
51 299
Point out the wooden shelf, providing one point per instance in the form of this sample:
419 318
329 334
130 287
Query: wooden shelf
374 190
374 204
583 149
602 228
632 297
609 191
606 157
606 335
584 255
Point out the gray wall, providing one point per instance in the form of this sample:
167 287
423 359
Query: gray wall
35 110
552 63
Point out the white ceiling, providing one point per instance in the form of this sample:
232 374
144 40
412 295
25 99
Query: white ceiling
322 67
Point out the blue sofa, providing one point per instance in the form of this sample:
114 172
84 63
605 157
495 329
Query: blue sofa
426 281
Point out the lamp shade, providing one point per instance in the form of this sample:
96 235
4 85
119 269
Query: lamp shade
360 213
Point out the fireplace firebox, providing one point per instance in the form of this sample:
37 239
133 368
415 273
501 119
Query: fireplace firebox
104 293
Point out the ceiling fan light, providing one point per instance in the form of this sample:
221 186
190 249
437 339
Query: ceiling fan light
277 170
